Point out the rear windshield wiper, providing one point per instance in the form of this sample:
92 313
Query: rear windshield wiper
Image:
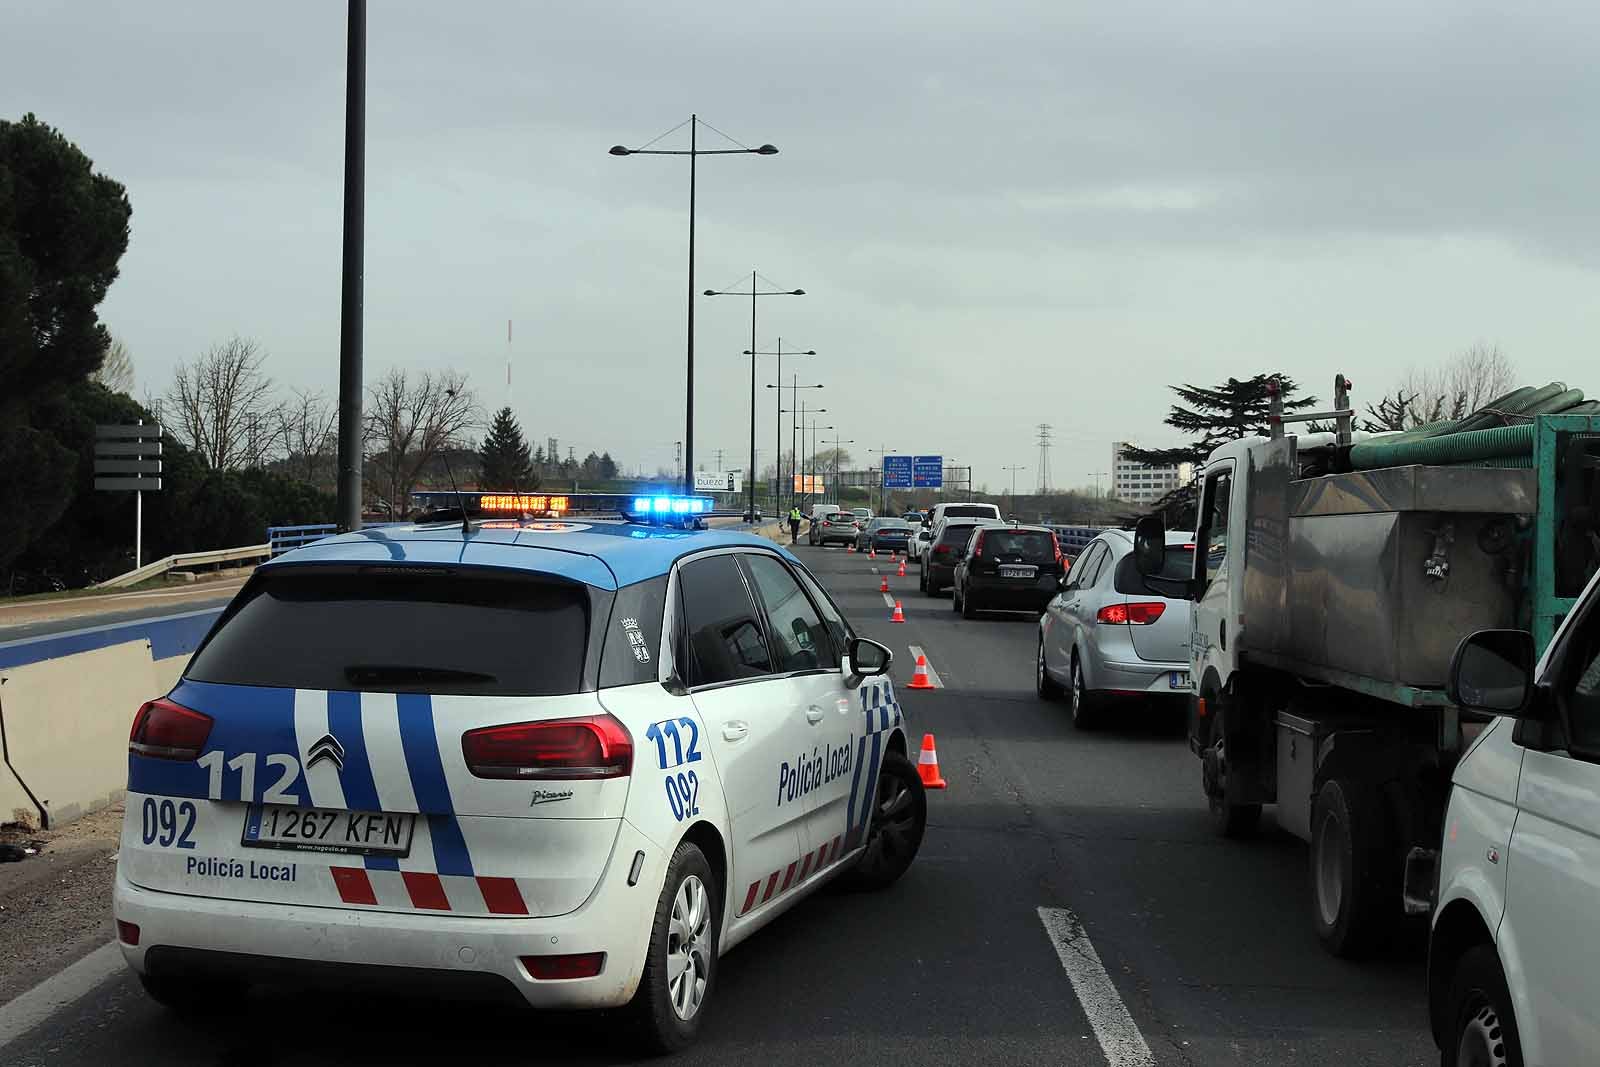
383 674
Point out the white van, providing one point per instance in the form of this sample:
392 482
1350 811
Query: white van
918 545
1511 954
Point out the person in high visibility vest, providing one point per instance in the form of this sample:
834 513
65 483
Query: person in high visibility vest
794 525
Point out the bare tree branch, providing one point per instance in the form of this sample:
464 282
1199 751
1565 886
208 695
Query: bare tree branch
218 404
1462 384
116 370
305 431
409 422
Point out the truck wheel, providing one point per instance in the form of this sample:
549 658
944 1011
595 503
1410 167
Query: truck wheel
1354 875
1483 1028
1228 820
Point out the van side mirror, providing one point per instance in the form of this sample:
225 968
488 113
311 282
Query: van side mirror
1492 671
1150 545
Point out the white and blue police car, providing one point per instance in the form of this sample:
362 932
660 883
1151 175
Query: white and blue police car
573 760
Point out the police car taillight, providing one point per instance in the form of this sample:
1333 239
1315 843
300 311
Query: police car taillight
164 730
596 746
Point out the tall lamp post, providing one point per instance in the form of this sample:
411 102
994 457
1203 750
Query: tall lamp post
1013 505
777 431
694 152
815 429
837 441
794 395
752 294
348 502
880 452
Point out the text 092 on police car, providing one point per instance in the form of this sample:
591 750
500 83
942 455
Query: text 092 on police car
576 760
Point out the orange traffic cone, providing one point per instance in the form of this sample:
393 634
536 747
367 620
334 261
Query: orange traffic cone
928 765
901 573
899 614
883 584
919 677
872 552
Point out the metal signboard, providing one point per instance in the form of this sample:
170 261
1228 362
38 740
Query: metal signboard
810 483
718 481
128 459
898 472
927 472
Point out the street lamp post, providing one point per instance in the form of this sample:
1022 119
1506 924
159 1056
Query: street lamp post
777 430
814 430
837 441
752 294
883 493
693 153
794 394
1013 505
348 501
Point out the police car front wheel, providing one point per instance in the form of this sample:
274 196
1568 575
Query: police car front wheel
899 818
680 968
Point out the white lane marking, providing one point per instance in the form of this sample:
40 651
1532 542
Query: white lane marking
933 675
1113 1027
888 600
61 989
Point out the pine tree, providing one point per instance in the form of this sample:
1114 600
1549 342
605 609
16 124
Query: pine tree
1222 413
504 461
608 466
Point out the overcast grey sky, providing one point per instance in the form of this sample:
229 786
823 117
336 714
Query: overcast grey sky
1004 213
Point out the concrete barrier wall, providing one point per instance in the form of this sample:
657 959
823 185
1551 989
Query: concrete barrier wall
66 703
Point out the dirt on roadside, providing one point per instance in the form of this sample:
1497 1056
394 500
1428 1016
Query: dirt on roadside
55 904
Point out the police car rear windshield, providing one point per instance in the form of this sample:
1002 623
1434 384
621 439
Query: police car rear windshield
402 630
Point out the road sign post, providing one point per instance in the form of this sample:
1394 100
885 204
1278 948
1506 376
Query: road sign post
129 458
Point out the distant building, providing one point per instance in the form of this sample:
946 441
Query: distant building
1141 483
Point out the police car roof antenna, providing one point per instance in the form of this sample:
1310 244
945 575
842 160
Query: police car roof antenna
444 454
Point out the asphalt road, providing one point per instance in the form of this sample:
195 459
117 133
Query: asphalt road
1206 943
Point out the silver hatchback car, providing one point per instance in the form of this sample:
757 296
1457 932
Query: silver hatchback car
1106 634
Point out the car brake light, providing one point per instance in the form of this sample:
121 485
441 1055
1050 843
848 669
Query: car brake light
977 547
164 730
597 746
553 968
941 550
1139 613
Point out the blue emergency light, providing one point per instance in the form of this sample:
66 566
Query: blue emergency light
668 509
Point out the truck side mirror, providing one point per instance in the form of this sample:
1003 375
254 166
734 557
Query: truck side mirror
1492 671
1150 545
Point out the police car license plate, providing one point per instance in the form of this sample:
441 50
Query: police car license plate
363 833
1178 680
1015 571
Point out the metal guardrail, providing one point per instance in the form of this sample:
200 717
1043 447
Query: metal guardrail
281 539
186 559
1073 539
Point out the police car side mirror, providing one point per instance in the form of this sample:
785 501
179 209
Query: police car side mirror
865 658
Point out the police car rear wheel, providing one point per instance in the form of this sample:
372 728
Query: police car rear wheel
899 818
191 996
680 969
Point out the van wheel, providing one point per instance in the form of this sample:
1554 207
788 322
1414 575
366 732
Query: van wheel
894 834
194 997
1354 874
1483 1028
681 965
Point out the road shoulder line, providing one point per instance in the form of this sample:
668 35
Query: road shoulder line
23 1013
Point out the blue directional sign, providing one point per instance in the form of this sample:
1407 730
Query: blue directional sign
927 472
897 472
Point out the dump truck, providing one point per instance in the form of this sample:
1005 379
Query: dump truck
1335 574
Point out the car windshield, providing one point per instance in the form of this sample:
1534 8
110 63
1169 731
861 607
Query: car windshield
983 511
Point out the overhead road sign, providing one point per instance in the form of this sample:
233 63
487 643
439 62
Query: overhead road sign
898 472
927 472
